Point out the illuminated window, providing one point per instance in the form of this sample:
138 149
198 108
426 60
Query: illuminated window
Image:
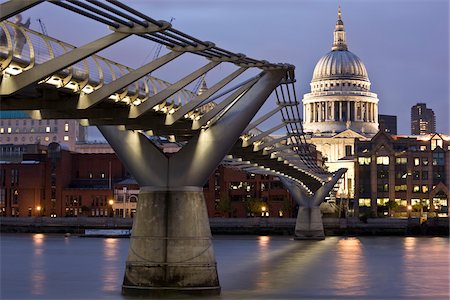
66 127
423 148
382 201
364 202
416 161
2 130
364 160
416 189
47 129
415 201
401 202
401 188
425 161
383 187
424 188
383 160
401 160
9 129
66 137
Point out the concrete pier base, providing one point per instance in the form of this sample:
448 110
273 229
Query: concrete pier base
309 225
171 250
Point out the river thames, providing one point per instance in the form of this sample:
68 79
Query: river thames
42 266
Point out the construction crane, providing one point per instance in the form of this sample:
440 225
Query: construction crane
159 47
42 25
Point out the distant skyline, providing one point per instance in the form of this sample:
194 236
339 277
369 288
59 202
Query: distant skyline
403 44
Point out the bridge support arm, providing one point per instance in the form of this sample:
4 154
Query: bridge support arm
309 224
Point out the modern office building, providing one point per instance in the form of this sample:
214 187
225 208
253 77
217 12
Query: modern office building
423 120
394 172
388 123
340 108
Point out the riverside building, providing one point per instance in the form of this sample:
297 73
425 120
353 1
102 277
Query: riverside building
396 172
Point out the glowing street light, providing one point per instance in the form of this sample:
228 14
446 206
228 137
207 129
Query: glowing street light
409 208
111 202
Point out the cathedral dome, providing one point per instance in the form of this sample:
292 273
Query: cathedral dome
340 64
340 96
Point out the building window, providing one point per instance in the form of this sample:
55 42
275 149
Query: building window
424 188
425 161
364 202
416 175
436 143
66 127
401 160
416 161
2 130
438 158
384 187
9 129
383 160
401 188
66 137
348 150
423 148
382 201
416 189
401 202
382 174
424 175
364 160
47 129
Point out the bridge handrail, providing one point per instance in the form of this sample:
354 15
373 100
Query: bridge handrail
106 70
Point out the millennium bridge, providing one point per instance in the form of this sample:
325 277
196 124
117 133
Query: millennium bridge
170 248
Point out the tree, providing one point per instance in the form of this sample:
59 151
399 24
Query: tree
391 206
224 205
286 207
254 206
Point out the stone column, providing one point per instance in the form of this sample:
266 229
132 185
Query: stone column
340 110
333 112
348 110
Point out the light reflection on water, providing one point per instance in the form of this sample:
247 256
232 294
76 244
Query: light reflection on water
250 267
351 275
37 273
110 273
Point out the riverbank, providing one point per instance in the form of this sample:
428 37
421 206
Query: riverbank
258 226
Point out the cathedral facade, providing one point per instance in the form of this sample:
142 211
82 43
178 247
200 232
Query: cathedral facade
340 108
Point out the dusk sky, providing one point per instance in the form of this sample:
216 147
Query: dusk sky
404 44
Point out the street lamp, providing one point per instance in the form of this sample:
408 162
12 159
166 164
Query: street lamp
263 209
409 208
111 202
38 208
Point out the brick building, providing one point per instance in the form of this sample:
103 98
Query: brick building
51 181
394 172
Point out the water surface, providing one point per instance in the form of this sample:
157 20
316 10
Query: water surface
38 266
